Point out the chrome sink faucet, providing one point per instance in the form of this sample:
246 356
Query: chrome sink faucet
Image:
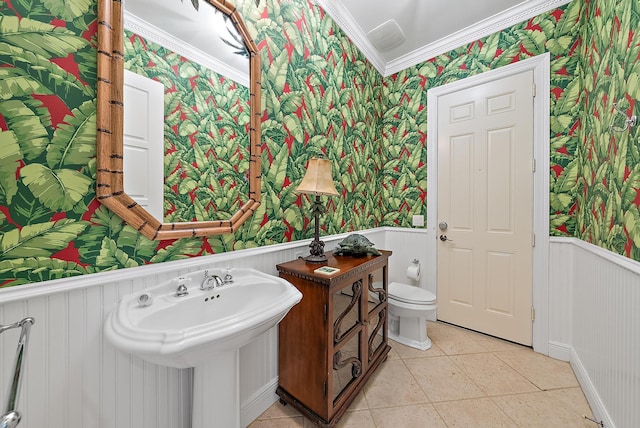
210 281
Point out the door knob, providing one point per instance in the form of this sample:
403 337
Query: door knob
443 225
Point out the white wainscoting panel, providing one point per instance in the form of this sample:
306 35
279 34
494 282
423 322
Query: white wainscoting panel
74 378
606 333
560 294
407 245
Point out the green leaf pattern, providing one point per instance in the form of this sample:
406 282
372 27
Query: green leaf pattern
321 97
608 179
205 136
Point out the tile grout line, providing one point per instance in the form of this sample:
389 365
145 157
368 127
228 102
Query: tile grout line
455 342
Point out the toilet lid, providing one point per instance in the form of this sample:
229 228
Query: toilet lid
410 294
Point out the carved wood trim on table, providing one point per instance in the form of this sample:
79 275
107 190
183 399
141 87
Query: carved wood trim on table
352 264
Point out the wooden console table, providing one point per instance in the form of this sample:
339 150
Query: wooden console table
336 337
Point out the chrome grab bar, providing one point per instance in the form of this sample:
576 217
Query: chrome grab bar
11 417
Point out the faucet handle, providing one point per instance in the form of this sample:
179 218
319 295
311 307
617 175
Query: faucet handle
182 282
181 291
228 278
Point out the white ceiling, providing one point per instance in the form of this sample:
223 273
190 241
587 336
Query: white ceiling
194 34
430 27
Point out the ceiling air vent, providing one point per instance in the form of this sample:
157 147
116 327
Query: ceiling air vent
386 36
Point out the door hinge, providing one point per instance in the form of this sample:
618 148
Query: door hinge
324 389
533 313
534 90
533 165
533 239
326 313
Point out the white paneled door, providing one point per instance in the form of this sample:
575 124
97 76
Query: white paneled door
485 207
144 142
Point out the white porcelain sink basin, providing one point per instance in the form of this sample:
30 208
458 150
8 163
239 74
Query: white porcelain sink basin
187 331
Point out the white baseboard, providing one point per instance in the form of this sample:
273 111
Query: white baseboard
559 351
598 408
259 402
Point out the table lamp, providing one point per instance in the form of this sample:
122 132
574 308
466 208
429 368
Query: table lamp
317 181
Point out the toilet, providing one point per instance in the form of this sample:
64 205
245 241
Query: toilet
409 308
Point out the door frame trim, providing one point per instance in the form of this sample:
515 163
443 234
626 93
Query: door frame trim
540 65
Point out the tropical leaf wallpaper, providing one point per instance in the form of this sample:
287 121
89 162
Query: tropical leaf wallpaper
608 179
206 133
320 97
403 179
47 137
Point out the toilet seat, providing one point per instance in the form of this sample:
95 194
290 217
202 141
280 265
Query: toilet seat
410 294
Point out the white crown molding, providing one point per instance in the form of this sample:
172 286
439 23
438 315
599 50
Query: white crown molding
168 41
481 29
498 22
345 21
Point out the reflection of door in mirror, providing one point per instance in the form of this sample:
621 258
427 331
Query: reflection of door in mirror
206 112
143 141
212 162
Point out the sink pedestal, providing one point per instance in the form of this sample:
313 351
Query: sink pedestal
216 392
204 330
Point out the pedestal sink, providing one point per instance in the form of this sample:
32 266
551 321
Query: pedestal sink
204 330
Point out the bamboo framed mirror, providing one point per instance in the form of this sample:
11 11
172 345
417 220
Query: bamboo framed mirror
110 189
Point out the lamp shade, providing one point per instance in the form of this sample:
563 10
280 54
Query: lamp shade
318 179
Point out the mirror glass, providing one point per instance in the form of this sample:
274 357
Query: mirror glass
203 36
201 67
199 63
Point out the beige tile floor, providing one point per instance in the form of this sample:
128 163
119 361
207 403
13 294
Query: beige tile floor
465 380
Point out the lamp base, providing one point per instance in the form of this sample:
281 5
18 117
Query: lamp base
316 258
316 251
